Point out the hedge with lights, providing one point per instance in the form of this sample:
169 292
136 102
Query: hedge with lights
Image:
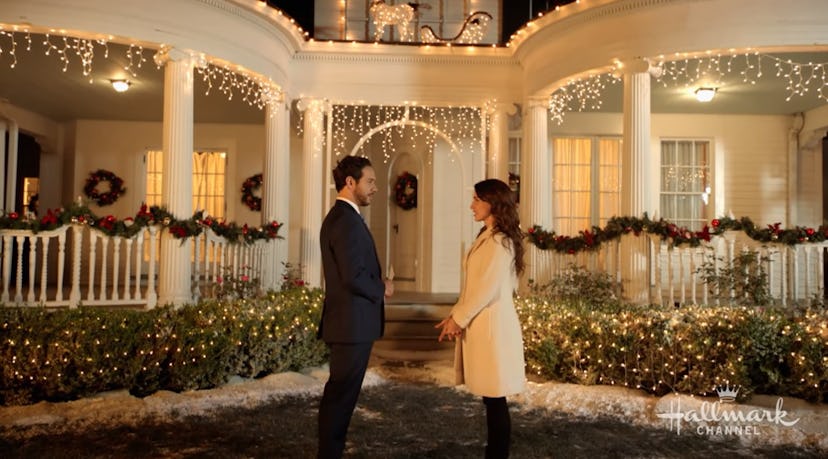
68 354
689 350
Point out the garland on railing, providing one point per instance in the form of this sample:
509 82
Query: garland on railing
146 216
592 239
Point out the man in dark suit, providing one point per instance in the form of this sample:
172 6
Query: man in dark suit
353 314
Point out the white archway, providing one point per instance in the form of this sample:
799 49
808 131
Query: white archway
436 240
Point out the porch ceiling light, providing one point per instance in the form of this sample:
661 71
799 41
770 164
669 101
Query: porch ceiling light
705 94
120 85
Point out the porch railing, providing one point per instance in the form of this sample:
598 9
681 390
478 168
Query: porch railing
671 275
63 268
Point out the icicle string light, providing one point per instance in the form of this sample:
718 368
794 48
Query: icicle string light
579 94
409 124
799 78
689 71
257 91
135 55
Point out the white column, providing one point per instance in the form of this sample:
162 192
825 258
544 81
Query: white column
535 174
276 189
498 147
3 130
313 165
174 273
11 168
792 214
635 180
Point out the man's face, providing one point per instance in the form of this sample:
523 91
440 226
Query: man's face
365 187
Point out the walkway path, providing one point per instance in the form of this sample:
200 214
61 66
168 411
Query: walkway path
405 412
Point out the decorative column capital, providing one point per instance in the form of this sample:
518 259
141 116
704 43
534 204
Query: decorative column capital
169 54
493 106
271 93
537 102
312 104
636 65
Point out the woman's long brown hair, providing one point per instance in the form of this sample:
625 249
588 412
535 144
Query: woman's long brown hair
505 212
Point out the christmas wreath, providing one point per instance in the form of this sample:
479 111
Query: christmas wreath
250 185
405 191
116 187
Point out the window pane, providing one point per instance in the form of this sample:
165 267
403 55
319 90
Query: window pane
609 179
685 182
587 182
668 153
685 153
668 178
154 177
208 181
572 166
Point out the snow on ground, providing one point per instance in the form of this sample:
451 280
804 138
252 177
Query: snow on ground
765 420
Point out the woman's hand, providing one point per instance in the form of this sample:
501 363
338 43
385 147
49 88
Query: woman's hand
450 329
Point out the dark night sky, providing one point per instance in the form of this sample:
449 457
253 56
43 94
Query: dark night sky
515 13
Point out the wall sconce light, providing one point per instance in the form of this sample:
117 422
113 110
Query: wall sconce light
120 85
705 94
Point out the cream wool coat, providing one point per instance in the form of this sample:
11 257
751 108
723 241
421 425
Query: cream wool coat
489 356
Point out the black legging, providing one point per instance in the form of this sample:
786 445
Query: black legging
499 426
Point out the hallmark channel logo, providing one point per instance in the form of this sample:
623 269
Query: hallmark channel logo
725 417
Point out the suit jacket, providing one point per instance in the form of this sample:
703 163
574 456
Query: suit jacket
354 307
489 357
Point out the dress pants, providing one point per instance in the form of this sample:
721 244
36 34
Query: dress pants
348 363
499 426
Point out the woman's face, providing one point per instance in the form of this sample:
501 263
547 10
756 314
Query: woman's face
481 209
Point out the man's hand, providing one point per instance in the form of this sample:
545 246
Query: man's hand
389 287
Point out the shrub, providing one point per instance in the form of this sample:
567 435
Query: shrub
292 276
234 285
577 285
688 350
67 354
743 281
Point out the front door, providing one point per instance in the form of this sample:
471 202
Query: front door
405 218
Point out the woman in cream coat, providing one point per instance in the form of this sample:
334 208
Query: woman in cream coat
488 356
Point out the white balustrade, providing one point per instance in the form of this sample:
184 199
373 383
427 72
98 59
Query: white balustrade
795 274
119 271
101 257
215 258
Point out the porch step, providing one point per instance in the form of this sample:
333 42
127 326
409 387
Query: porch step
409 328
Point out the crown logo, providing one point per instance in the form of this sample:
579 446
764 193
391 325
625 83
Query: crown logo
727 394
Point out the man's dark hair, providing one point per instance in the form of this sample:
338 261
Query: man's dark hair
349 166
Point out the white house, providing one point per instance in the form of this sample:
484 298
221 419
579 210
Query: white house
449 112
